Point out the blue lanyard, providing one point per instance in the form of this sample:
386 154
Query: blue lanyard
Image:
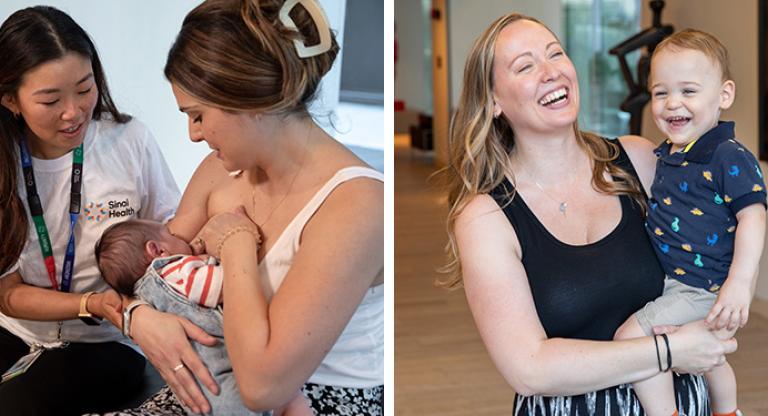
36 210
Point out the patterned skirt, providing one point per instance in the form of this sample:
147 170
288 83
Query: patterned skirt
345 401
690 393
325 401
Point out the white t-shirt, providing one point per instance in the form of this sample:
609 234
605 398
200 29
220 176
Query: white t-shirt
124 177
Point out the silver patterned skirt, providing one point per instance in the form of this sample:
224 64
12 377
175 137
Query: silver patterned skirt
690 392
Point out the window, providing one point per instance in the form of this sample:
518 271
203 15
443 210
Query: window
593 27
362 67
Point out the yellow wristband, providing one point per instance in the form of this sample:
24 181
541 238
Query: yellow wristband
85 316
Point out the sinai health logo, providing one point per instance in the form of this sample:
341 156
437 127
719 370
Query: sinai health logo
98 211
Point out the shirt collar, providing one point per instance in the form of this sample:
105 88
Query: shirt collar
702 150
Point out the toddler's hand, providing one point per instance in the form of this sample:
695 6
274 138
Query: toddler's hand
731 310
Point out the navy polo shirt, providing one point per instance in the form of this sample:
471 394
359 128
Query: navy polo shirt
694 200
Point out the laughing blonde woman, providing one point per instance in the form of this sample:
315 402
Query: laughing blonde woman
547 238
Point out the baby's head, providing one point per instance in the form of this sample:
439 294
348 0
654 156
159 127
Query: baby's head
126 249
690 84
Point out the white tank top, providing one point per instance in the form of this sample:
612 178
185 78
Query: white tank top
357 357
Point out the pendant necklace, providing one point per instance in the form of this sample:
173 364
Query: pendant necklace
562 206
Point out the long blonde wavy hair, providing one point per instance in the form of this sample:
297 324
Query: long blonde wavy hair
480 145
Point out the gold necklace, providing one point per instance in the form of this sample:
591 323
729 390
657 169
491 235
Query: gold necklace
290 186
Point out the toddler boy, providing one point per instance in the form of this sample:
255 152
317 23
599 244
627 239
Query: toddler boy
706 216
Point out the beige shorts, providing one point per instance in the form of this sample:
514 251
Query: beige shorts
677 305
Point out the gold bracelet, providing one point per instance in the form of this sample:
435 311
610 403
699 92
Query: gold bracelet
87 317
237 230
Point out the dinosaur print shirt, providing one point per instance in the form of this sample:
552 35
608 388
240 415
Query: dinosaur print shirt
694 200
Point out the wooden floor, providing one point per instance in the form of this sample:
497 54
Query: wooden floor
441 366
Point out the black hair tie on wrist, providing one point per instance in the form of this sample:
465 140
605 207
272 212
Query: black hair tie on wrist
669 352
658 356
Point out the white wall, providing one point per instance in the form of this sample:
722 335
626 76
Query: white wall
133 38
410 21
735 24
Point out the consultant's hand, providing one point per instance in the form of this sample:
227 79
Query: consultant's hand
695 349
108 305
219 227
163 338
731 310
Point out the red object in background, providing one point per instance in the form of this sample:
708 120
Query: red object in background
399 105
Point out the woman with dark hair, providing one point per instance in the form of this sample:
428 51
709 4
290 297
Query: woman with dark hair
304 300
70 165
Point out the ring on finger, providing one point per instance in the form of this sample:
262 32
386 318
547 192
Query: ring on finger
178 367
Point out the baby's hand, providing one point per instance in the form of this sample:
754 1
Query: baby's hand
731 310
218 227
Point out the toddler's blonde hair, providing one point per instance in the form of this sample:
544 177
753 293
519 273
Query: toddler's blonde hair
703 42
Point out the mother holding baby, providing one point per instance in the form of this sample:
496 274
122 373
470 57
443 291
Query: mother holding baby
304 305
304 300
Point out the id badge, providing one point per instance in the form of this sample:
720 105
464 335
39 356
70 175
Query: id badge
21 366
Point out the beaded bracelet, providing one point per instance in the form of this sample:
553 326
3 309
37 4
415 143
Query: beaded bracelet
237 230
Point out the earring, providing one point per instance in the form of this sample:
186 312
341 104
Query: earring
496 113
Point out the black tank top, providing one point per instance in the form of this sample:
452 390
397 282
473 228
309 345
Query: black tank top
586 292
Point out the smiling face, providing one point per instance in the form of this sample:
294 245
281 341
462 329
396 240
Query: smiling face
56 100
688 94
535 84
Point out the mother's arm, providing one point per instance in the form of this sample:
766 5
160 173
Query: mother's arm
192 213
501 302
275 346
